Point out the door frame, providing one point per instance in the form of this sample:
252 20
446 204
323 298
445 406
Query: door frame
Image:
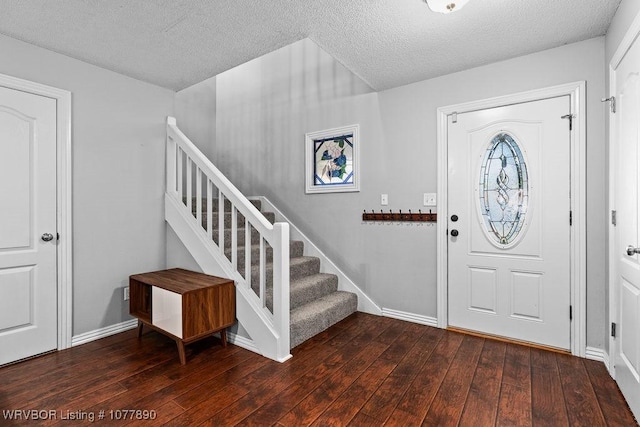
630 36
578 265
63 199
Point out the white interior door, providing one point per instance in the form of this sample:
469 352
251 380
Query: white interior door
28 318
509 222
627 283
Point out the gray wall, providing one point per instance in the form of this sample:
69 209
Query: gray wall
264 108
118 176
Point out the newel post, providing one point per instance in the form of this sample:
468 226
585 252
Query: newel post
281 287
171 157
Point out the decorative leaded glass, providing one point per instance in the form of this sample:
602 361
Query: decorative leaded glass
504 189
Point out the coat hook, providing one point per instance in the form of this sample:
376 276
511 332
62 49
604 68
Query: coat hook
420 211
400 210
409 210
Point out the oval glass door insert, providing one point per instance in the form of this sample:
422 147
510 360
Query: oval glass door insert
503 190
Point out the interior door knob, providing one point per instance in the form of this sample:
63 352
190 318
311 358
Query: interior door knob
454 233
47 237
631 251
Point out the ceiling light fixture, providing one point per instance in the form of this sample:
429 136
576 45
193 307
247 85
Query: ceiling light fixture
445 6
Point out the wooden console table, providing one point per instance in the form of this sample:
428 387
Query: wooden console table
183 305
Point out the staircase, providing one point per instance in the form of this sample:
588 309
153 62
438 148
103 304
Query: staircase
282 298
315 301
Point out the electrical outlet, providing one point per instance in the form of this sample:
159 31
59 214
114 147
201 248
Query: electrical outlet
126 293
384 199
430 199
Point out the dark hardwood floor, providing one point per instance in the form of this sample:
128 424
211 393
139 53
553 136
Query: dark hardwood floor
365 371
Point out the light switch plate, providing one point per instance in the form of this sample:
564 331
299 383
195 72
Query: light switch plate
384 199
430 199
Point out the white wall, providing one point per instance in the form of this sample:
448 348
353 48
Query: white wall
265 107
195 112
118 176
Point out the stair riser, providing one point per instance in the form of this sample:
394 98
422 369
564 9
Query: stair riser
306 328
227 204
299 298
215 223
298 270
321 288
296 248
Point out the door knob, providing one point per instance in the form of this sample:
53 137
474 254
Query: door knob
47 237
454 218
631 251
454 233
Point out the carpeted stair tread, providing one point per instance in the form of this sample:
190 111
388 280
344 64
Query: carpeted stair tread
309 288
306 289
227 204
270 216
310 319
296 249
298 267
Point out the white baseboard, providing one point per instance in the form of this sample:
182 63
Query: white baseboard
103 332
598 354
410 317
243 342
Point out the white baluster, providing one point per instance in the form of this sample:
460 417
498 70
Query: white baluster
189 178
199 196
234 237
247 252
180 190
221 221
263 273
209 208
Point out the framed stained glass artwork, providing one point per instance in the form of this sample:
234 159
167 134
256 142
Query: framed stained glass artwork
332 160
503 189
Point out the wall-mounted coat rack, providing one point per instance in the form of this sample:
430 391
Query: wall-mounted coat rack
399 216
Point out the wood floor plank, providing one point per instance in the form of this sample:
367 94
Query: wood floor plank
305 412
481 407
608 396
418 397
547 398
279 405
344 408
514 406
447 405
367 370
579 396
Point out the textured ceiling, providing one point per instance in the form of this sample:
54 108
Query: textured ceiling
388 43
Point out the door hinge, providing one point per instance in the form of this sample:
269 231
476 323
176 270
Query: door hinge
57 236
454 117
570 218
613 329
611 99
614 220
570 312
570 117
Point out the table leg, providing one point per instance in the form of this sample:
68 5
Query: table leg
223 337
140 324
183 358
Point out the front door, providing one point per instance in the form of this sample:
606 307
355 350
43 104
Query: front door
509 222
28 317
627 233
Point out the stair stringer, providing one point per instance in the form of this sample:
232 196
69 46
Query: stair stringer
253 318
365 304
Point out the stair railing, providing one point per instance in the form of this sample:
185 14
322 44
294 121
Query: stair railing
193 182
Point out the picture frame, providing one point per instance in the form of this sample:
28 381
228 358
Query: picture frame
332 160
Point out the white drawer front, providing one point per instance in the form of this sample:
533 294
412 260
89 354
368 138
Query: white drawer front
166 311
